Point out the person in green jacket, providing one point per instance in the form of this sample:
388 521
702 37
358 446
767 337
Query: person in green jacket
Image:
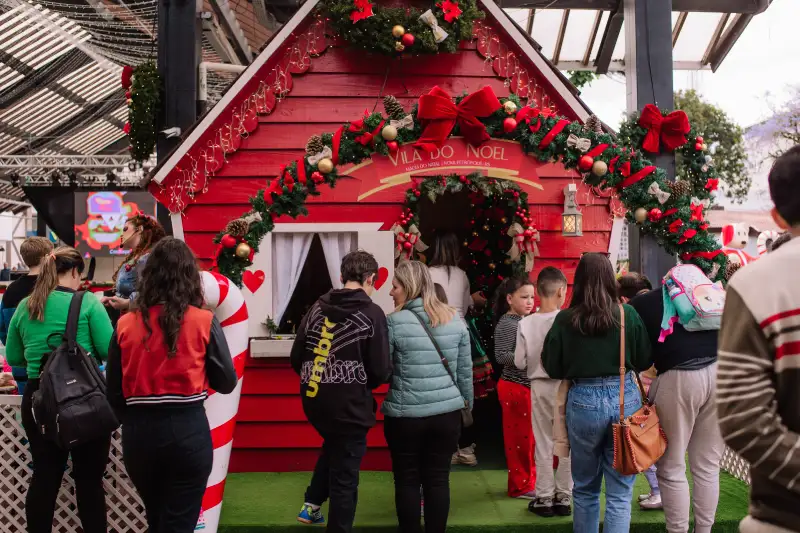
584 346
36 328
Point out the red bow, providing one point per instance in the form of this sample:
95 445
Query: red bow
532 116
697 212
624 168
688 234
671 130
712 184
438 108
274 187
676 226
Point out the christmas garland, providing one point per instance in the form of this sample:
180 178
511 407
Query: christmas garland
391 30
143 85
673 216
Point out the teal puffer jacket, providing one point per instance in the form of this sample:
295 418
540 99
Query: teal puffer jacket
420 386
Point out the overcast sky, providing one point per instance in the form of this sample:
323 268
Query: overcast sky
766 59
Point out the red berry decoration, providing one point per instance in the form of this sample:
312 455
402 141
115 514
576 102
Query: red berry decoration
228 241
585 163
317 177
509 124
462 179
417 193
407 245
392 146
655 214
516 194
407 40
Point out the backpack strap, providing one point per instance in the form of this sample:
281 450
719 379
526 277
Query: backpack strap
71 332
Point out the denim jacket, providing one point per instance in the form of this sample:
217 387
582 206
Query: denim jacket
126 279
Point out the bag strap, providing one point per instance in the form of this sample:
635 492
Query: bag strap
73 317
621 363
439 351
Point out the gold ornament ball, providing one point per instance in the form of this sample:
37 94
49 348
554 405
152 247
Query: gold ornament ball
389 133
492 266
243 250
599 168
398 46
640 215
510 107
325 165
398 31
705 147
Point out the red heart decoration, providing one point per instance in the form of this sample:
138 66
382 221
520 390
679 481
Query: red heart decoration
253 280
383 275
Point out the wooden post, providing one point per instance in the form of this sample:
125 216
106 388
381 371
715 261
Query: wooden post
178 57
648 74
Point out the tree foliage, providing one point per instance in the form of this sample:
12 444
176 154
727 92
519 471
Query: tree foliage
721 133
784 126
581 78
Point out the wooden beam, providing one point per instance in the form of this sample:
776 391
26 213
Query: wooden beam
609 40
227 18
751 7
560 39
592 36
676 31
712 43
529 25
728 39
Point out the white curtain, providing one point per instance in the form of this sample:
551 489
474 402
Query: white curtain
336 246
289 252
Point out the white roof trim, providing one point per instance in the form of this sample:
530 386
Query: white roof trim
537 59
234 91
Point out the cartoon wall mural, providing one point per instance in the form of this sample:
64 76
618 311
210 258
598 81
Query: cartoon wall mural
100 218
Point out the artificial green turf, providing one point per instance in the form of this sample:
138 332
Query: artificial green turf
269 503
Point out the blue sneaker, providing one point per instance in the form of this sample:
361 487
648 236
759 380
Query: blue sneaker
308 515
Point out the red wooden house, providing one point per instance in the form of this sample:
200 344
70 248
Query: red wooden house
303 84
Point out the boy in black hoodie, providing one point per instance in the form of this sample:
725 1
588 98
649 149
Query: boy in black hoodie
341 353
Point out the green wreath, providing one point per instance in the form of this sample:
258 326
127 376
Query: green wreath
670 215
373 27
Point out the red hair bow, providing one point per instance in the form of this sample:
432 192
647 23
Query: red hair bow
671 130
442 114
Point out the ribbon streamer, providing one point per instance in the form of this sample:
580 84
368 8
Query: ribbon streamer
656 191
671 129
313 160
523 243
442 114
581 144
706 203
429 19
406 123
411 236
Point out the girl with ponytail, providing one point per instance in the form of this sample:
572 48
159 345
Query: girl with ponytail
140 234
35 329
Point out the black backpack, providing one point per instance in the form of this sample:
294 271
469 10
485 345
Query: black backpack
70 407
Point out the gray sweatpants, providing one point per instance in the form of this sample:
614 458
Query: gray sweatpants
685 402
543 403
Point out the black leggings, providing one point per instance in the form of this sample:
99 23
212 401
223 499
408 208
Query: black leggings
168 454
49 462
422 449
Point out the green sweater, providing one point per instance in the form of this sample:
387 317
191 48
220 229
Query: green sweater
27 339
568 354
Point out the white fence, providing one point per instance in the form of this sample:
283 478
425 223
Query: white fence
125 509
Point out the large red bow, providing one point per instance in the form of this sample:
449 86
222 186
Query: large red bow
442 114
671 130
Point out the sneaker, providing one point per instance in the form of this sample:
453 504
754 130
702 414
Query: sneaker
651 503
465 456
542 507
309 515
562 505
643 497
530 495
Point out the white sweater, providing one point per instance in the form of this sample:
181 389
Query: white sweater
456 286
530 341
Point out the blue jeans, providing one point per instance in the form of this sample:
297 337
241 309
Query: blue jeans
592 407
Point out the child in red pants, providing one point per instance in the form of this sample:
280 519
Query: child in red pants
514 300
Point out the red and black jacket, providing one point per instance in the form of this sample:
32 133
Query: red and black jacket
139 373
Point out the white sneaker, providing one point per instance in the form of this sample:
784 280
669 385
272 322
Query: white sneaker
652 503
465 456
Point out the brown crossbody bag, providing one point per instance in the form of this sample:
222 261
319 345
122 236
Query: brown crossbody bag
639 440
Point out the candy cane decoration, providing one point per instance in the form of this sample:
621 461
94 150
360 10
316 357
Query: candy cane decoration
227 302
765 240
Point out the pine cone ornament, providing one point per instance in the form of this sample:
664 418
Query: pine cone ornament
237 228
594 124
314 145
394 109
731 269
681 188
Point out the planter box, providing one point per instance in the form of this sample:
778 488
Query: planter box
271 348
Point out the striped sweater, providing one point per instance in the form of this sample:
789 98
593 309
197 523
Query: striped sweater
758 385
505 343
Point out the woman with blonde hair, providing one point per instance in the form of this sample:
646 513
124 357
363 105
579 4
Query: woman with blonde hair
37 326
431 383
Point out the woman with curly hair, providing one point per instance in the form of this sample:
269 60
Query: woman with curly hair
140 234
163 357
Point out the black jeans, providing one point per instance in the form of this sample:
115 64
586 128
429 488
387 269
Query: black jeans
168 454
49 461
421 451
336 478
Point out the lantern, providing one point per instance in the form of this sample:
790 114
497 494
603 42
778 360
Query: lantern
571 219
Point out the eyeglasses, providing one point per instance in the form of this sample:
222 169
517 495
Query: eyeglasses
607 254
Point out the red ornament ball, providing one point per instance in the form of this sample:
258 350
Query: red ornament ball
407 245
528 232
406 236
407 40
654 215
516 194
392 146
698 139
585 163
228 241
462 178
698 147
509 124
417 193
